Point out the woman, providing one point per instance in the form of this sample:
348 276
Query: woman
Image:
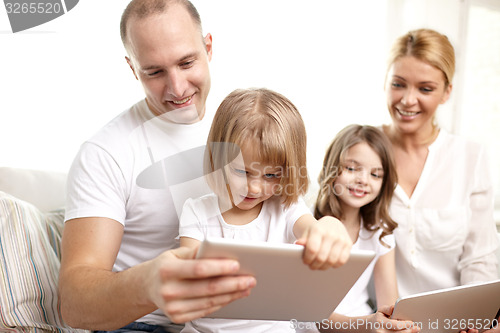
443 203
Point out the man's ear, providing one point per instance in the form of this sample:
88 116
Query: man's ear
208 45
129 62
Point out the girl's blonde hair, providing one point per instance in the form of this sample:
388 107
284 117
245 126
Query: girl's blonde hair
269 121
429 46
375 214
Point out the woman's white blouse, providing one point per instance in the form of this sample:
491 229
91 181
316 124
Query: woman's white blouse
446 234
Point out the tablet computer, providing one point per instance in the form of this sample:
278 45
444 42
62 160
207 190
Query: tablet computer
286 288
452 309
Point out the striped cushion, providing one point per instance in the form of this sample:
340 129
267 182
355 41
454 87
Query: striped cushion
29 266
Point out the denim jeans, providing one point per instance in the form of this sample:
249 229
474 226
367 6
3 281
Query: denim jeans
143 328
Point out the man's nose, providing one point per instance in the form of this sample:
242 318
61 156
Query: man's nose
176 84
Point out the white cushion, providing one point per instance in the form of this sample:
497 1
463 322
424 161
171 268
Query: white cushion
44 189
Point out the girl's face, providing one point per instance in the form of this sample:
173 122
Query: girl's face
251 181
361 177
414 91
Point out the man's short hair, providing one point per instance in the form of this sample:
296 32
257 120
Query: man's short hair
141 9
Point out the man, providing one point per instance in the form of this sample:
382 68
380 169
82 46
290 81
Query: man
120 262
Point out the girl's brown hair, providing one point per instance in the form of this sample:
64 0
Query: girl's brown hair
268 120
375 214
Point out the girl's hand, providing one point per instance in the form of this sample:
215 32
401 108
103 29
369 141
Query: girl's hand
327 244
380 322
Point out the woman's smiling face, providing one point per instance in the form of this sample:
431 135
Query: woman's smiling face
414 91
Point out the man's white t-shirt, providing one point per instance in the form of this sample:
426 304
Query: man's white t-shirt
129 172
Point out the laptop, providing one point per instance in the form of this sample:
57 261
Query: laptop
286 288
452 309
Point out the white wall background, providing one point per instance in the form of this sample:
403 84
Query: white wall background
61 81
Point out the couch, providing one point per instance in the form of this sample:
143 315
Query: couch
31 223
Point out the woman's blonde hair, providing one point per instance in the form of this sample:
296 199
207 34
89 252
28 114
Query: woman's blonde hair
429 46
269 121
375 214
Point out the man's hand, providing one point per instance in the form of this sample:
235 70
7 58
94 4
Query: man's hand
186 289
96 298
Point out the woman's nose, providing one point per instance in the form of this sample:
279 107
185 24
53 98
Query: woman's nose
409 97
